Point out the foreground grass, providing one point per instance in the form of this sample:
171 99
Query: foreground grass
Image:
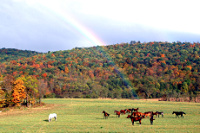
85 115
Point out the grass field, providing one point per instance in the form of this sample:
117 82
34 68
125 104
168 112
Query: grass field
85 115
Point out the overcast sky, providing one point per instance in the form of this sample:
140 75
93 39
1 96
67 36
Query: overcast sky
52 25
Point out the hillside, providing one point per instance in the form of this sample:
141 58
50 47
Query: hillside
7 54
147 70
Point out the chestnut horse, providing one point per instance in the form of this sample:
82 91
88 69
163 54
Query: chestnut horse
133 119
149 113
117 113
137 114
123 111
105 114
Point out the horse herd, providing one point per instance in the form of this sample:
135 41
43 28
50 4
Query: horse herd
138 116
135 115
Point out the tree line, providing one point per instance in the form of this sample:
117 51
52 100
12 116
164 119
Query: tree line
126 70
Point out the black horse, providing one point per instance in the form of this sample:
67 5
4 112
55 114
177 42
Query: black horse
178 113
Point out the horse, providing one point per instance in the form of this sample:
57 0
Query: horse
179 113
135 110
149 113
133 119
160 113
154 113
117 113
54 115
123 111
137 114
105 114
128 110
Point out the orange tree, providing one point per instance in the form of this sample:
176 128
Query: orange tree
19 93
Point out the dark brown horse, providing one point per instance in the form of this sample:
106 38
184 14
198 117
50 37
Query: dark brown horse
117 113
135 110
133 119
105 114
178 113
154 113
159 113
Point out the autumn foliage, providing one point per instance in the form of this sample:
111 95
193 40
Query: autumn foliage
19 93
146 70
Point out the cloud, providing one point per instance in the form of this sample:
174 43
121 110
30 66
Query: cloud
48 25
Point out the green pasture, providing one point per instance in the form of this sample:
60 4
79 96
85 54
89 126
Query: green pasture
85 115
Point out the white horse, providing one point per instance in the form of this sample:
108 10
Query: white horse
54 115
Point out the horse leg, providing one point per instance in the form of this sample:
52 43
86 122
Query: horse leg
132 121
182 115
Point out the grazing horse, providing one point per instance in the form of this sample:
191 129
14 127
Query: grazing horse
179 113
133 119
54 115
117 113
123 111
105 114
160 113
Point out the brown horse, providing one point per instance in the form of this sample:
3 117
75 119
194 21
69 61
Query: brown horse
117 113
105 114
148 113
123 111
135 110
137 114
179 113
133 119
154 113
128 110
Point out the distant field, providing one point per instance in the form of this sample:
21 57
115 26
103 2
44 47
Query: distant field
85 115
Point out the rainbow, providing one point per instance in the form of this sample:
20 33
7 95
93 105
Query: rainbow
91 37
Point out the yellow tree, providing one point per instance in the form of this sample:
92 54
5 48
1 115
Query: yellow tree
19 93
31 84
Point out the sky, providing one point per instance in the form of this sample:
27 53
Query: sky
53 25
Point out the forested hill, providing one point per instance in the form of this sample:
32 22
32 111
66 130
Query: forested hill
7 54
128 70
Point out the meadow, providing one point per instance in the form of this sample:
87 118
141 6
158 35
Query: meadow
85 115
